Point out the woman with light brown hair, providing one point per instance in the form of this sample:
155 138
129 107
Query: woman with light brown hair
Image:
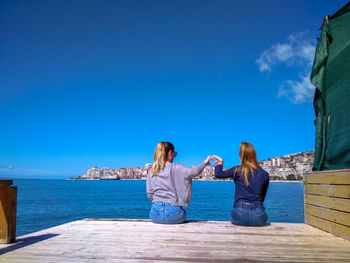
251 184
169 186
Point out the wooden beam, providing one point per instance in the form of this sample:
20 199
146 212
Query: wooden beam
5 182
328 177
8 210
342 191
340 204
328 226
335 216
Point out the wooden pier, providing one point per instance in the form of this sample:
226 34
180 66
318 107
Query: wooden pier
97 240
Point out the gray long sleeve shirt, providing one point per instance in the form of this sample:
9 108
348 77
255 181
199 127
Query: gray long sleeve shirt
172 184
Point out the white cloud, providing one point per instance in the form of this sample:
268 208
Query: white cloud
2 166
297 91
298 51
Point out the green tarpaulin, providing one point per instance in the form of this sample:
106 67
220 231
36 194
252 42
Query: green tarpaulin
331 77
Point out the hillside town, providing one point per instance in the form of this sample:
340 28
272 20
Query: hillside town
287 167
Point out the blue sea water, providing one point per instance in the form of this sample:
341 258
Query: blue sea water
45 203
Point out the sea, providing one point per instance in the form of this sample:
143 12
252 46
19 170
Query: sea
46 203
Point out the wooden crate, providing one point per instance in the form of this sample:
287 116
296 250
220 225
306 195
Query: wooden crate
327 201
8 209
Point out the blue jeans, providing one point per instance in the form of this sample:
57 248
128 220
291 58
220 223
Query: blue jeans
247 214
163 213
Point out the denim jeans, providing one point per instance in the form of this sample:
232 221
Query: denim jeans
246 214
163 213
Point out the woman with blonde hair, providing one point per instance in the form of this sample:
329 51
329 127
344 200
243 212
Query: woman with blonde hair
169 186
251 183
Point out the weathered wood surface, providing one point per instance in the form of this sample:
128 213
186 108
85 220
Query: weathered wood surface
335 216
340 204
342 191
6 182
328 177
8 209
143 241
327 201
329 226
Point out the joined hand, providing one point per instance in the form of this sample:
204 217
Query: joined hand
217 160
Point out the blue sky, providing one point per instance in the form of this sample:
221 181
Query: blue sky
87 83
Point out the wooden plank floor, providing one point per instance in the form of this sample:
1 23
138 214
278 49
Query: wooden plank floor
94 240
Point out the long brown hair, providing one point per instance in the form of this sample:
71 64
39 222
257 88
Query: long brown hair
249 161
161 155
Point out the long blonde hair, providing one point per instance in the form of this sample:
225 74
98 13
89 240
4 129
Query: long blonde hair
160 156
249 161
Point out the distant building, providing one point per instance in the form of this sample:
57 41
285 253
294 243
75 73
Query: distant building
148 166
297 164
278 167
107 173
93 173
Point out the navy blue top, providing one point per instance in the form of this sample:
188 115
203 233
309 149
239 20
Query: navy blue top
254 193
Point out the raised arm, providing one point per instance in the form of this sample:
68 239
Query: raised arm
191 172
219 172
149 189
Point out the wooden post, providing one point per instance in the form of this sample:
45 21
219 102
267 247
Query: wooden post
327 201
8 209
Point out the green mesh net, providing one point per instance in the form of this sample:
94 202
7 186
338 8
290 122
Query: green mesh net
331 77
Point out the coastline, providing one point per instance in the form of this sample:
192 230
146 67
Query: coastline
196 180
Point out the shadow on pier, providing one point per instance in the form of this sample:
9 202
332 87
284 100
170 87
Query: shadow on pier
26 241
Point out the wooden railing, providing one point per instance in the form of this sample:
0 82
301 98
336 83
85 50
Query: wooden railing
327 201
8 209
